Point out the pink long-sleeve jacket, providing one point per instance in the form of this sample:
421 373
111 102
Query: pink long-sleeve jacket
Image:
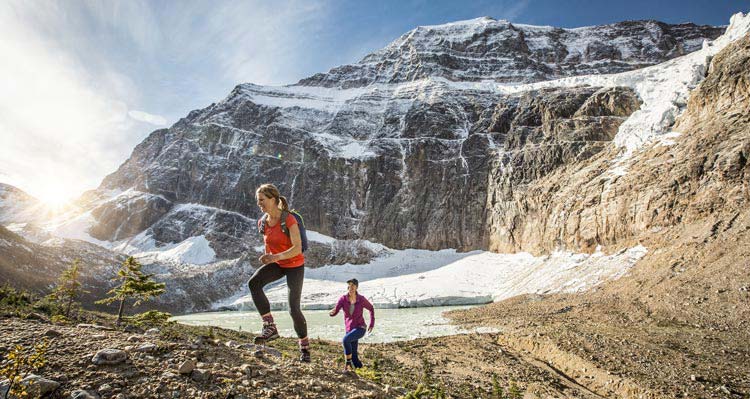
356 318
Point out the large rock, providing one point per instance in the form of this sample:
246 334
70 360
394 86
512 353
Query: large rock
39 386
146 347
82 394
109 356
201 375
186 367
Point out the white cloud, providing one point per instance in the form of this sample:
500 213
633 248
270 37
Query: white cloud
53 121
252 41
81 83
157 120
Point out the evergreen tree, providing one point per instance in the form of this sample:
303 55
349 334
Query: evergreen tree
135 284
68 287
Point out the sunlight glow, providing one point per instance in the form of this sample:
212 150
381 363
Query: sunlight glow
55 194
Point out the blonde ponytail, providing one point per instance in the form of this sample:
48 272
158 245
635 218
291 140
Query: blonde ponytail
283 203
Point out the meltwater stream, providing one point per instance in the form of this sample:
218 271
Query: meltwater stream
390 324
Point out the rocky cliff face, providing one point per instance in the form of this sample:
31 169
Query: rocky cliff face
700 171
419 179
410 163
685 198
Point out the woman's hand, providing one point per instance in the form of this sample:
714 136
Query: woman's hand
369 330
268 258
331 313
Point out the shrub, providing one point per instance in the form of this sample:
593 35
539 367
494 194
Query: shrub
152 318
59 319
19 363
13 298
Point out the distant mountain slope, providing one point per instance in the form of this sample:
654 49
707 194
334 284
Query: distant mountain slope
497 50
16 205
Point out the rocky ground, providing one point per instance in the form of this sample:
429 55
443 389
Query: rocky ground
177 361
676 326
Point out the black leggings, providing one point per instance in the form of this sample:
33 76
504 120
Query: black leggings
294 278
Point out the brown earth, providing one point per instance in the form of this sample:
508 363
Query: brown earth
676 326
225 371
460 366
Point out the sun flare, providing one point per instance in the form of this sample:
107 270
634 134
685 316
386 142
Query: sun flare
55 195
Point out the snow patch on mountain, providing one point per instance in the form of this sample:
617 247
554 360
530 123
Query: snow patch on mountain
195 251
75 228
16 206
412 278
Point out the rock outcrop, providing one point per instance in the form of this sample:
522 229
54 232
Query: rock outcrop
703 170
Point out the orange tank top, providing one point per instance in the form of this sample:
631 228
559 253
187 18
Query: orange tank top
276 242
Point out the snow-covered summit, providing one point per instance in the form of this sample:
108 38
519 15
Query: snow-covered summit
498 50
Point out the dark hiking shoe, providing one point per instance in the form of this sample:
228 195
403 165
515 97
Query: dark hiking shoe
348 368
269 333
304 355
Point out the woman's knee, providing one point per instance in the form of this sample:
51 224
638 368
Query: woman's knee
254 284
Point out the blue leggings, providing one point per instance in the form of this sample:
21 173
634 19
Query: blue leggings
350 342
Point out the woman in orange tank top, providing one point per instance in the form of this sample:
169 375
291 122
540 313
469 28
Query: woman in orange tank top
282 258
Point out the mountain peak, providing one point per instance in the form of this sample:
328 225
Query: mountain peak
462 23
488 49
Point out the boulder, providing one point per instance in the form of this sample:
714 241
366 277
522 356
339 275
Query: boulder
109 356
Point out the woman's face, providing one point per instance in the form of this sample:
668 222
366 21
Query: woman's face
265 203
351 288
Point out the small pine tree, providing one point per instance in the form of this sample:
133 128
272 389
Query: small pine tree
68 287
497 389
514 392
427 378
135 284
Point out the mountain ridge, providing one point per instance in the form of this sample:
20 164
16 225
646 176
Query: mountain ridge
530 53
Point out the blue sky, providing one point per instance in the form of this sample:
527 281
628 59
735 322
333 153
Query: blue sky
83 82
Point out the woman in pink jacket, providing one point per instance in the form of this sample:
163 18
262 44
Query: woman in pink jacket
353 304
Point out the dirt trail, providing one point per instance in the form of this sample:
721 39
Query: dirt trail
677 325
